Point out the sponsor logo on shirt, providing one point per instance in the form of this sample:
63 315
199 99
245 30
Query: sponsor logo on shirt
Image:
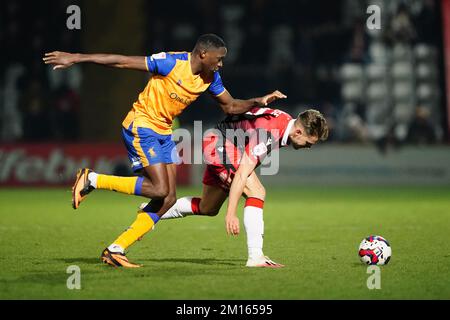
182 100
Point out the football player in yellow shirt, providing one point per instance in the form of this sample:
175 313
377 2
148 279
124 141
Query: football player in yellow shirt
178 79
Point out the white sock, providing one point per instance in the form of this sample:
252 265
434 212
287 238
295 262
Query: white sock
182 208
254 226
115 248
92 176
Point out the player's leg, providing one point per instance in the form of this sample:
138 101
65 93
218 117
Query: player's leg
157 187
214 194
254 223
208 204
145 150
145 221
161 206
148 216
212 200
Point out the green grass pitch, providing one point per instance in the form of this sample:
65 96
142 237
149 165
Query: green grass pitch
315 232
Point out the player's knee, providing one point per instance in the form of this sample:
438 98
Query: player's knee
155 190
259 192
212 212
263 193
161 191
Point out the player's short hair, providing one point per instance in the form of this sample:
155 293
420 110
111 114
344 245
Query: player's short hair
314 123
208 41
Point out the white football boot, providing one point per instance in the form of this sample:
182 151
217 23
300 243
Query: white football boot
263 262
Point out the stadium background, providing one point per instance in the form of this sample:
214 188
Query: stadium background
381 90
384 93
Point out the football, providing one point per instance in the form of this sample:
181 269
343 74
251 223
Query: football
375 250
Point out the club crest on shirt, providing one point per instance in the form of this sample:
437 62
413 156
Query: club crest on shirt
259 150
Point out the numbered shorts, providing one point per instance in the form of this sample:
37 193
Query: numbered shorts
146 147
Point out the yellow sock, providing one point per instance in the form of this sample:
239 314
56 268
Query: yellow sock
143 224
128 185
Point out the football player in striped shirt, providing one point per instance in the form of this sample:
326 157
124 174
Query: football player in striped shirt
232 154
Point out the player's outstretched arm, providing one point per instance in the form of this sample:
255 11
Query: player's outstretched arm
236 106
63 60
246 167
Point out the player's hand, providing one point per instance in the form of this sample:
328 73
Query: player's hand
264 101
60 60
232 224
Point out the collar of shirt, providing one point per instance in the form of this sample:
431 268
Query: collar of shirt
284 141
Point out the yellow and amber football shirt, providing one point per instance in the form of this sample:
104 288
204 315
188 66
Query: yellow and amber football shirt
171 88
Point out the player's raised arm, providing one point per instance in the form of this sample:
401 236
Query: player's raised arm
63 60
236 106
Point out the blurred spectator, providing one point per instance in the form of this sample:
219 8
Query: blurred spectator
232 13
358 43
11 118
281 57
421 130
330 112
352 123
401 27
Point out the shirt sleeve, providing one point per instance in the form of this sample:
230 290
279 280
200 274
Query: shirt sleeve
216 88
160 63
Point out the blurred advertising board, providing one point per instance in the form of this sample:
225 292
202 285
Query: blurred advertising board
56 164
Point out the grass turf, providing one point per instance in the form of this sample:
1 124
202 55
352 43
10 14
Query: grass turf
314 231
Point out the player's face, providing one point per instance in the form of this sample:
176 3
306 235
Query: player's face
300 140
213 58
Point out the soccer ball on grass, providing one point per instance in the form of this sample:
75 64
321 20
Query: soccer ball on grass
375 250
